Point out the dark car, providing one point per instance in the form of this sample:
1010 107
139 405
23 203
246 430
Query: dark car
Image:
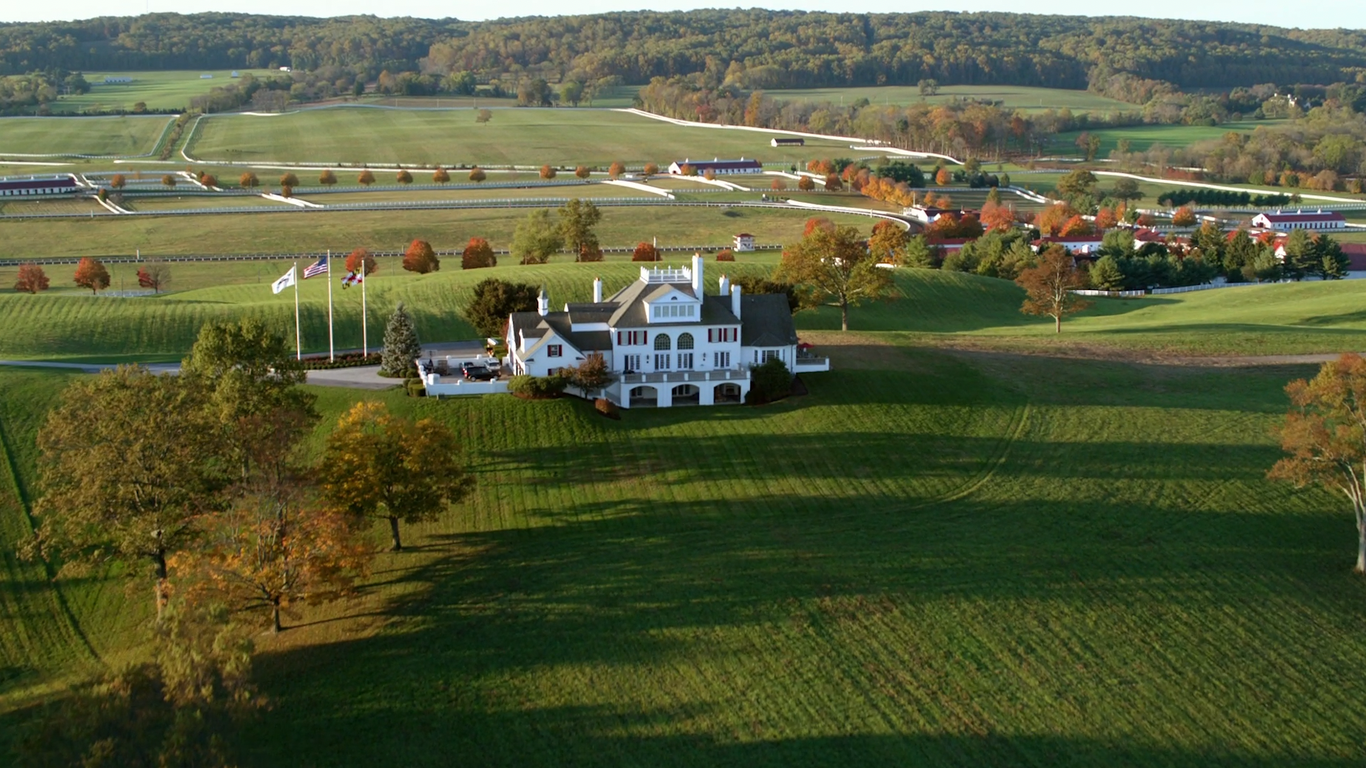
475 372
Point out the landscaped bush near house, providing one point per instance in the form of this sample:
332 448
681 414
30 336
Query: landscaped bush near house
415 387
768 382
537 387
348 360
607 408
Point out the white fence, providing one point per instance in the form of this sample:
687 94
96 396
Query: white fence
1113 294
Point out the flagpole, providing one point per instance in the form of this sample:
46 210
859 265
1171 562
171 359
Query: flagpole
298 339
364 330
331 353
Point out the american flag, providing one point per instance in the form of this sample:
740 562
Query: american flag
318 267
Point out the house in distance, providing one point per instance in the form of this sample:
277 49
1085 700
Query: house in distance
1282 221
796 141
665 341
717 166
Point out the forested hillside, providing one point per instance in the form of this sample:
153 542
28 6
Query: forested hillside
752 48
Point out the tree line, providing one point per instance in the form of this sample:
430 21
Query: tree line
754 49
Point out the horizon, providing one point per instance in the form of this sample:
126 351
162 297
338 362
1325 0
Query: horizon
1346 15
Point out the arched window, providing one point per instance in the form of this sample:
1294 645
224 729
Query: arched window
685 341
662 341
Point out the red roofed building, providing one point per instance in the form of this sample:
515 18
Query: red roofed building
1077 245
35 186
1282 221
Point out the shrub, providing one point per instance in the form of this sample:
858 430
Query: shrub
415 387
725 254
606 408
645 252
768 382
478 255
537 387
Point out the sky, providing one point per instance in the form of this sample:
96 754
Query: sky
1325 13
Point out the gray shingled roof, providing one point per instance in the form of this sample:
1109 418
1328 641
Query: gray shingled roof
767 321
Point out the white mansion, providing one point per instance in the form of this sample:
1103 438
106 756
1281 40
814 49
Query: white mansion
665 341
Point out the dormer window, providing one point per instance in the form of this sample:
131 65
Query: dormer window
667 311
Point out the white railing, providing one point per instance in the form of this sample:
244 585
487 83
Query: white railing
679 275
683 377
811 364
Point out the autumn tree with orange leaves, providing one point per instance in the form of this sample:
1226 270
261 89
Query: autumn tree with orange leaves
478 254
31 279
361 257
997 217
420 258
384 467
1325 436
1050 220
1184 217
1050 286
90 273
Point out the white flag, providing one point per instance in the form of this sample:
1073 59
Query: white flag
284 282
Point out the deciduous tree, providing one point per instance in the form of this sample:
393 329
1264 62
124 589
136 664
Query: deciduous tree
477 174
805 184
888 242
327 178
420 258
1050 286
645 252
494 300
616 169
998 218
401 347
117 181
31 279
366 178
778 184
361 257
650 170
289 180
1184 217
127 473
384 467
169 180
832 266
478 254
440 175
483 116
536 238
942 177
1325 437
577 220
155 275
404 177
591 375
248 180
582 172
547 172
90 273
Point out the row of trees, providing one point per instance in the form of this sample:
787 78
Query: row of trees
92 275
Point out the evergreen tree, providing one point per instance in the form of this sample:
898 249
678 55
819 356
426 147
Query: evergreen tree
1106 275
1301 255
1333 263
401 348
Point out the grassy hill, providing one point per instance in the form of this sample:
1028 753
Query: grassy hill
512 137
930 307
104 136
1010 97
933 557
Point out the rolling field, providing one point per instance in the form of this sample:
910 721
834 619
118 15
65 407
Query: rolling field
512 137
1141 137
1012 97
293 230
102 136
158 90
932 558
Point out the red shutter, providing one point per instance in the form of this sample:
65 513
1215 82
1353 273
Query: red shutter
618 338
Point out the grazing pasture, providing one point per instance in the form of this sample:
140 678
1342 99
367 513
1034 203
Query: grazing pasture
529 137
1009 96
171 89
65 136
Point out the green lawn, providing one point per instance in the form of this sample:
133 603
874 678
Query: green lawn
80 135
1011 97
292 230
932 558
512 137
158 90
1141 137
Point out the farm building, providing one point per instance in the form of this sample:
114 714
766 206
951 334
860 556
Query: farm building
789 142
718 167
35 186
665 342
1081 245
1318 221
117 80
1355 253
743 242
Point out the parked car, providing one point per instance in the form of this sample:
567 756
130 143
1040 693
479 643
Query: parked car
475 372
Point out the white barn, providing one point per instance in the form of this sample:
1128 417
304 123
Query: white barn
665 341
1281 221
